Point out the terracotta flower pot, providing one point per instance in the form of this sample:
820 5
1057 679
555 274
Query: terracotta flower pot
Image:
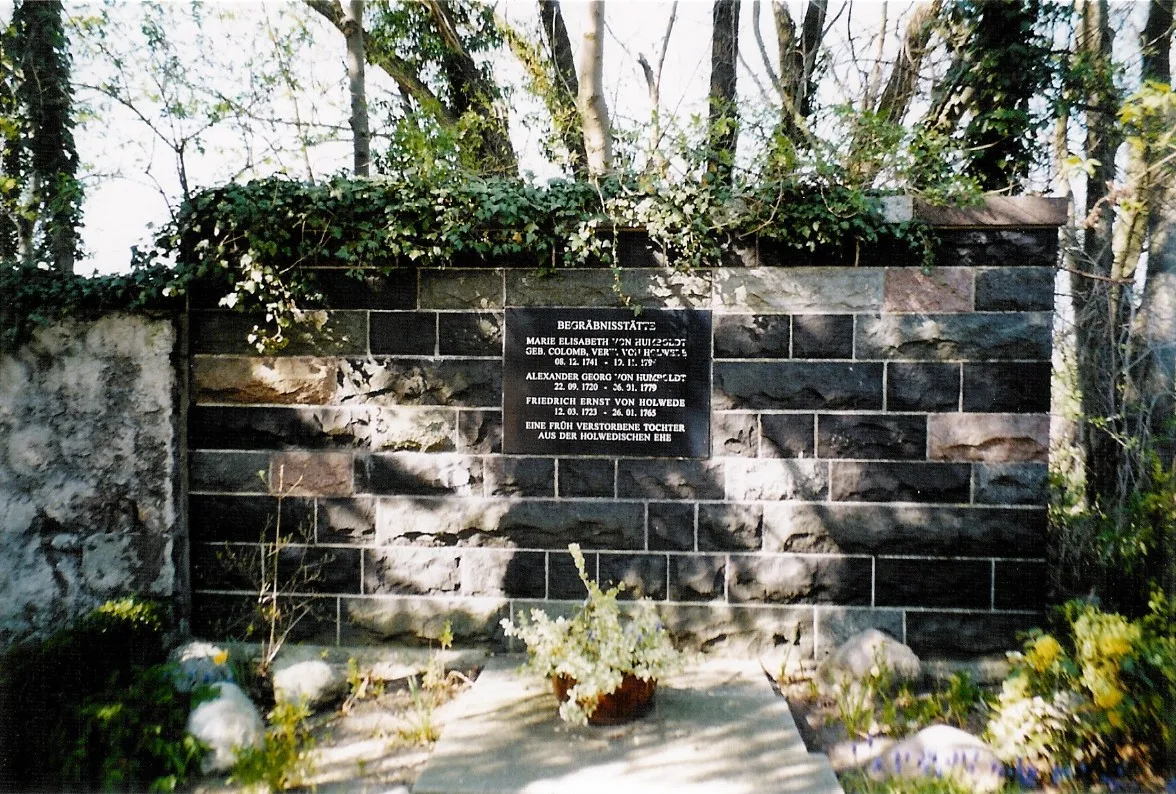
632 699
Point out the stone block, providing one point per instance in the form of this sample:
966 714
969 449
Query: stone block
1019 212
698 577
752 336
922 387
403 333
234 472
520 476
797 385
942 289
993 247
254 428
654 288
958 584
244 519
915 529
406 570
644 575
510 523
343 333
1019 585
734 434
470 290
563 580
470 333
822 336
368 289
384 382
724 526
836 624
800 290
587 477
788 435
671 526
269 380
479 432
511 574
346 520
300 473
419 474
669 479
799 579
776 479
740 630
1012 483
966 635
412 429
944 337
872 436
1023 387
1015 289
422 619
302 570
887 481
995 438
230 616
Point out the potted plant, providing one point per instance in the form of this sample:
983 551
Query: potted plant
604 662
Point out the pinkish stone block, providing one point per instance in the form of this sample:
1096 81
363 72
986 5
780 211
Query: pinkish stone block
280 381
944 289
298 473
988 437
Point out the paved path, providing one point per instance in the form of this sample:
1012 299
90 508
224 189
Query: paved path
719 729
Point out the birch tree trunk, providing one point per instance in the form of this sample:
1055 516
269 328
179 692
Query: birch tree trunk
353 32
723 126
591 102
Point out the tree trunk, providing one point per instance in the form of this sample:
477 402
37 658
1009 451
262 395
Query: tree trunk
593 108
798 60
566 87
353 31
723 126
1156 41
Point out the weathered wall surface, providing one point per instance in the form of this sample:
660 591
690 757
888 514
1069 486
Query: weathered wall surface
88 457
878 452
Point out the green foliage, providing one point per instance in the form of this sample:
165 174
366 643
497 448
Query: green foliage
92 707
860 783
1093 700
281 762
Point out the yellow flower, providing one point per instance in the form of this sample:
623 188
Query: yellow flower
220 657
1044 652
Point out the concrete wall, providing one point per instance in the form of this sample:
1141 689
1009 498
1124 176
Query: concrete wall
88 471
878 456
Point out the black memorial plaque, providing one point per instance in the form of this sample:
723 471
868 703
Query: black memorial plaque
607 382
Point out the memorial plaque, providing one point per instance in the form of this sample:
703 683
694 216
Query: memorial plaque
607 382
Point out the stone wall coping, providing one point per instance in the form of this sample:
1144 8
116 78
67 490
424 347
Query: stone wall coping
1009 211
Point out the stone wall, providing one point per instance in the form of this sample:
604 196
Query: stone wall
878 451
89 451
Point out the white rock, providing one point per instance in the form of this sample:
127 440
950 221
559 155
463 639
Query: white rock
226 724
941 751
312 681
867 651
196 663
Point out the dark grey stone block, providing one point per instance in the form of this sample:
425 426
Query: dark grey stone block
246 519
419 474
231 427
346 520
411 571
520 476
740 630
723 526
226 617
836 624
345 333
235 472
752 336
997 247
470 334
965 635
563 581
776 479
479 432
302 570
404 333
788 579
644 575
872 436
1022 387
822 336
461 289
931 337
885 481
698 577
915 529
734 435
473 384
922 387
1015 289
671 526
788 435
960 584
669 479
587 477
1019 585
368 289
1012 483
797 385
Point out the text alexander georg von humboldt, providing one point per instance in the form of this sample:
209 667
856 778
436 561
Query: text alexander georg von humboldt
607 382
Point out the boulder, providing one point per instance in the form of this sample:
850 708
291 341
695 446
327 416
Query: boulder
197 663
941 751
865 654
226 724
314 682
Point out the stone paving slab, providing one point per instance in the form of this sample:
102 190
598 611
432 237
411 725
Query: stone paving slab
718 729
